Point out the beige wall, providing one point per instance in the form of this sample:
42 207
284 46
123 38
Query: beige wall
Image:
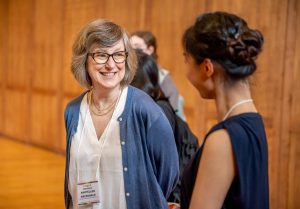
36 83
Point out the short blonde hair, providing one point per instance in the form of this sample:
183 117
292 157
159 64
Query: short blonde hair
102 33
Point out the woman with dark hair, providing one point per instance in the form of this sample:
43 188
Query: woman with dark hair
146 79
231 168
146 41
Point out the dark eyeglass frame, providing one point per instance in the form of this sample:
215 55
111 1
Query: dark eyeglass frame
108 56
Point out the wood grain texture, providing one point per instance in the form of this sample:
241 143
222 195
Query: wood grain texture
20 43
36 82
3 58
291 110
31 178
47 44
16 123
45 109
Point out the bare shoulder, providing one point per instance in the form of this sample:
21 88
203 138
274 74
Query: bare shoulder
215 173
218 143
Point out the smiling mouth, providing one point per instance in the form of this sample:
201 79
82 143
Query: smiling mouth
109 74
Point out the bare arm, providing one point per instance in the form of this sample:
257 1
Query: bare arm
215 173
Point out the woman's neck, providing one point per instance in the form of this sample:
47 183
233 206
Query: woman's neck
234 100
104 97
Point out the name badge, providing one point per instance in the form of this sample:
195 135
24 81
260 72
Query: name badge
88 193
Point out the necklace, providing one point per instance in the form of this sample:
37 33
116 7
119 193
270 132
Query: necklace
235 106
100 112
109 107
97 111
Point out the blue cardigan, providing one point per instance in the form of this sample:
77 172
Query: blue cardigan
148 151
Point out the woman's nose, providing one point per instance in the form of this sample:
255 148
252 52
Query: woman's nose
110 62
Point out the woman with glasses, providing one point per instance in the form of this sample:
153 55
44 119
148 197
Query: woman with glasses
116 136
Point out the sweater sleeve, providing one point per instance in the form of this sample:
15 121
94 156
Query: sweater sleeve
164 154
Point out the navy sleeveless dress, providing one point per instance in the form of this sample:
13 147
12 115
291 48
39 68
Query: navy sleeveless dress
250 187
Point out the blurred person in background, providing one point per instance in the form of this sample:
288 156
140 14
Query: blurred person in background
146 41
146 79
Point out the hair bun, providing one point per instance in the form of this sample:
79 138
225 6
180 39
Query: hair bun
245 47
242 51
227 39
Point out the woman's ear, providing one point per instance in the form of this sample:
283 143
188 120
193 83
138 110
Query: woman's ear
150 49
209 67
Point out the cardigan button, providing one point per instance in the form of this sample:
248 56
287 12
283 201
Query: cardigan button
120 119
125 169
123 143
127 194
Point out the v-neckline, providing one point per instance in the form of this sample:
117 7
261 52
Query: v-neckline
105 130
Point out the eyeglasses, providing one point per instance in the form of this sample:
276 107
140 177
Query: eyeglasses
102 58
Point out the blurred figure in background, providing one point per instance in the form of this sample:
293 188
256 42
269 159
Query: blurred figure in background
231 168
146 41
146 79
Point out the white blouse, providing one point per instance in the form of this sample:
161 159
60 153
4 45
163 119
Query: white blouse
86 150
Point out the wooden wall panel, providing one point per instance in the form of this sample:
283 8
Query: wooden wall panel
36 83
48 47
16 113
46 94
3 34
3 57
292 108
20 41
44 122
19 69
130 18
